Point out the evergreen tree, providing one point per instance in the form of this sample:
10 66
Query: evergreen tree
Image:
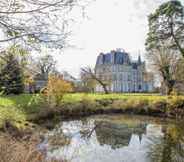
11 75
166 27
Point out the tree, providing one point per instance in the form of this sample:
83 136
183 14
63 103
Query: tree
87 84
165 61
179 87
56 89
32 22
91 75
45 65
11 74
166 27
180 71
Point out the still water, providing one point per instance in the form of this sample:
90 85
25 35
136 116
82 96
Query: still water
116 138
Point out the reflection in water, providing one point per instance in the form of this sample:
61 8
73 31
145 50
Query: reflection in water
105 139
170 148
117 135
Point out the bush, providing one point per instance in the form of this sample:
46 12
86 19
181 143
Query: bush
13 115
159 105
176 102
176 107
89 103
55 90
119 104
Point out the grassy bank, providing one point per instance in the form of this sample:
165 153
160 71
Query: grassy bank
17 109
23 108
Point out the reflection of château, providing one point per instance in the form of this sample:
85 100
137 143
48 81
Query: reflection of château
122 74
117 135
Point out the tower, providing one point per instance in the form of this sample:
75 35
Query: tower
139 59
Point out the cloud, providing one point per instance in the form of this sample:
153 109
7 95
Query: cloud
144 7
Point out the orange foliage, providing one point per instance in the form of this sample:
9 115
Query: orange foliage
56 88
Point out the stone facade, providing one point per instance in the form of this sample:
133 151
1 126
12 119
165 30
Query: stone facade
122 74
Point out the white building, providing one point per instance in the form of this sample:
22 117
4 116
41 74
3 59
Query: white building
122 74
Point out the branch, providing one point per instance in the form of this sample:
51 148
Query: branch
30 11
175 39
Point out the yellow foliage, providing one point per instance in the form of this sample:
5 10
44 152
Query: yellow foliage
29 80
55 89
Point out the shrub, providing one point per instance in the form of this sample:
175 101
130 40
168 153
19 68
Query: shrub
159 105
119 104
55 90
13 115
175 107
176 102
88 102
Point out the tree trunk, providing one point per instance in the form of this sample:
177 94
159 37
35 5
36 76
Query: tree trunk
169 86
105 89
169 90
104 86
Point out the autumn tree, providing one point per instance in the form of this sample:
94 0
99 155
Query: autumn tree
55 90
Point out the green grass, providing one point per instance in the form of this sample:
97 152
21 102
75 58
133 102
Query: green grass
21 107
137 96
28 102
17 108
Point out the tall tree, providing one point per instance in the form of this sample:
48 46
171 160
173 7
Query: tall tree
11 74
166 26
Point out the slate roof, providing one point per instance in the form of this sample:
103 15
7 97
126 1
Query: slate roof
116 57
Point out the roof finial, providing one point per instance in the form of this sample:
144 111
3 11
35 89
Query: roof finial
139 58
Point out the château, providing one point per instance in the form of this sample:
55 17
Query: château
122 74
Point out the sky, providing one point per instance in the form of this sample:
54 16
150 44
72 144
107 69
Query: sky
107 25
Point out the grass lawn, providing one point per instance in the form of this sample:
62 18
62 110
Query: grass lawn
137 96
18 108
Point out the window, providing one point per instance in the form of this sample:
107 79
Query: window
129 77
114 77
140 87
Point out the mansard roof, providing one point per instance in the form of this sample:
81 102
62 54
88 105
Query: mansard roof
116 57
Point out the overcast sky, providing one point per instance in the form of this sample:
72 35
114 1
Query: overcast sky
110 24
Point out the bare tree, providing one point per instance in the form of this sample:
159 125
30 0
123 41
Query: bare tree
90 74
45 65
32 22
87 84
164 61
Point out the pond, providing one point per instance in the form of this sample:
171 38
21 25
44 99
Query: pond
116 138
